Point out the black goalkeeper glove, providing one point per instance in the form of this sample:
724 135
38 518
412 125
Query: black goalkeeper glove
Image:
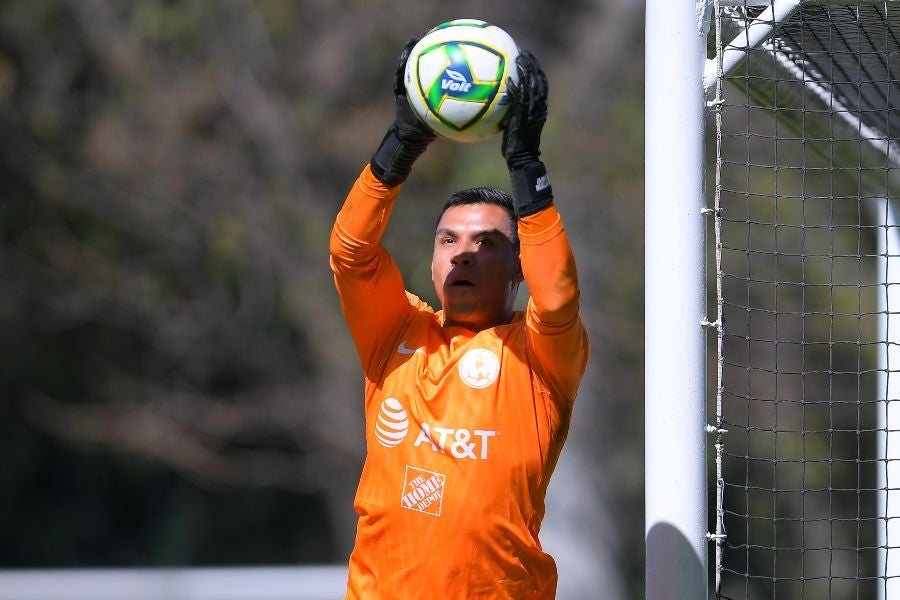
522 137
406 139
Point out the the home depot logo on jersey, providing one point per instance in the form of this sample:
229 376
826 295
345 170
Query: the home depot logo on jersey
423 491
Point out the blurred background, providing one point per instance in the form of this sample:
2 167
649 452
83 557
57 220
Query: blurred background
177 387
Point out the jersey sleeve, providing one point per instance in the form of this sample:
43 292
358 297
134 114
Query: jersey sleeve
367 279
555 333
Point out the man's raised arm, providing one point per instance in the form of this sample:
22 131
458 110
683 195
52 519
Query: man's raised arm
557 339
367 279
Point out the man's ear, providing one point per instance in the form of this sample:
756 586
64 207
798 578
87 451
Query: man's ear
518 275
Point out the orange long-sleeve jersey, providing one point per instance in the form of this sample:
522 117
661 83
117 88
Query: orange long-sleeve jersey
463 428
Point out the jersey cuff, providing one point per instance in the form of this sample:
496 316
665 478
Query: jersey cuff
371 186
540 227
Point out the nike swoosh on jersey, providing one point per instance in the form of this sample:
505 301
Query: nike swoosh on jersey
402 349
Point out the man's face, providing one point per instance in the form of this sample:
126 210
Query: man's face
475 267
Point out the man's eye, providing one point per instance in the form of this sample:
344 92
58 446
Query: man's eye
485 242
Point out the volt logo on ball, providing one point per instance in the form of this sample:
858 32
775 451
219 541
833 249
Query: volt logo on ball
457 81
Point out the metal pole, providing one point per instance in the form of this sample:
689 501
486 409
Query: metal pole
675 413
888 418
757 32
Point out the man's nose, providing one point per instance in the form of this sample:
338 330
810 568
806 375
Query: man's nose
461 259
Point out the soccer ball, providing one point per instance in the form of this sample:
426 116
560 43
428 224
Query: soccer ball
456 79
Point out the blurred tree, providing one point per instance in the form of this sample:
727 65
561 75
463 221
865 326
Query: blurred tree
169 174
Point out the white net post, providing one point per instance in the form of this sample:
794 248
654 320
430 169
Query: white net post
675 451
888 412
811 171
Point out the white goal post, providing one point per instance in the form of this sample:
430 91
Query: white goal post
803 412
675 450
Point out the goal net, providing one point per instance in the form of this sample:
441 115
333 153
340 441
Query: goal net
806 99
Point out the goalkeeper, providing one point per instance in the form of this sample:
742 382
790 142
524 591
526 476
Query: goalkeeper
467 408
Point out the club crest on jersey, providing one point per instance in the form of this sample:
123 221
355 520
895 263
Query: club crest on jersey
479 368
392 424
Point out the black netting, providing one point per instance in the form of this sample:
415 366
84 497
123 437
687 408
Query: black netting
808 166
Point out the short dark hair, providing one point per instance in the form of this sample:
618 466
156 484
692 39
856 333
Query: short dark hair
485 195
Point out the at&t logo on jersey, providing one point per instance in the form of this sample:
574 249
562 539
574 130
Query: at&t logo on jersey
460 442
392 424
392 427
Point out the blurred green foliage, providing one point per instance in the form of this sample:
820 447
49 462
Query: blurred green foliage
177 386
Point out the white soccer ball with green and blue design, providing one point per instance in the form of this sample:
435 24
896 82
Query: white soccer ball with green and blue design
456 79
